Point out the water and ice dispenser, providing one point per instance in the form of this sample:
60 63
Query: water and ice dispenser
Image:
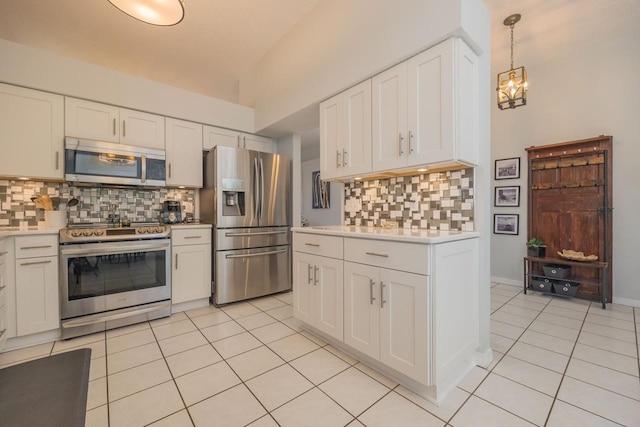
232 197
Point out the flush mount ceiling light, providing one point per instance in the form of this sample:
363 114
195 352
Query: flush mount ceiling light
155 12
512 84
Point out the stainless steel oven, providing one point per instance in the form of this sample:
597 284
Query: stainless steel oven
111 277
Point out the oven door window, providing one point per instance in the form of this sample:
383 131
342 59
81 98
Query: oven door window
92 276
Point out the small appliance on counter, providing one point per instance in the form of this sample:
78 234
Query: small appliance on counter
171 212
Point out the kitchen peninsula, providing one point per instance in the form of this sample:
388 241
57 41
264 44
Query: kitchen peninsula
403 301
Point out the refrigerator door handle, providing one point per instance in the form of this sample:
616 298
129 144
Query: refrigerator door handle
261 188
258 233
256 194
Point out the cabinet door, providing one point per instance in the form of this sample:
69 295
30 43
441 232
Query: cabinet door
257 143
431 105
3 296
404 323
356 141
217 136
190 273
91 120
330 146
362 308
303 287
328 277
184 153
141 129
31 133
389 116
37 295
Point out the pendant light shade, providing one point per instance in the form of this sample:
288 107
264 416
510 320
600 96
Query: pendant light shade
155 12
512 84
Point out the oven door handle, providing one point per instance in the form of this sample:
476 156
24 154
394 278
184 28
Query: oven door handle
113 250
101 317
258 254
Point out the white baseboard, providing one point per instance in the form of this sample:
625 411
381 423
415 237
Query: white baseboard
626 301
505 281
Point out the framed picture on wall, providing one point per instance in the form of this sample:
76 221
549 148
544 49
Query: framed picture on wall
505 224
320 191
508 168
507 196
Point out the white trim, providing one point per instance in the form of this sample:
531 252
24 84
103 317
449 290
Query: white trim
484 359
505 281
626 301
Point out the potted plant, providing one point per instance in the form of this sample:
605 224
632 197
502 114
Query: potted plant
536 247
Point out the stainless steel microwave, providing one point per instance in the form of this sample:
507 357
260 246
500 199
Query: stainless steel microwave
113 164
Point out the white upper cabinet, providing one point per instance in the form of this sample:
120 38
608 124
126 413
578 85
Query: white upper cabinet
345 135
92 120
31 133
184 153
231 138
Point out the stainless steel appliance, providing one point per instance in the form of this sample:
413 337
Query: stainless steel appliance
112 277
247 197
171 212
113 164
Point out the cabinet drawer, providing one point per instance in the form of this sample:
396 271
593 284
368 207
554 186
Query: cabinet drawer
185 236
329 246
36 246
410 257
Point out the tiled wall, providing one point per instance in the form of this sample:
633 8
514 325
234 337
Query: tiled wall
17 209
436 201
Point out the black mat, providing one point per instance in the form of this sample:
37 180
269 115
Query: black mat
51 391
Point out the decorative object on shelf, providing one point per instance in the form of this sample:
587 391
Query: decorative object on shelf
154 12
508 168
512 84
505 224
507 196
320 191
576 256
536 247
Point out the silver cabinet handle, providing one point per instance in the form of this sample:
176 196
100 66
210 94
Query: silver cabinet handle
36 262
176 261
2 287
124 129
36 247
169 170
344 157
3 253
315 245
315 275
143 161
382 301
371 297
2 332
400 139
259 233
193 237
337 158
309 269
410 142
114 125
57 160
258 254
377 254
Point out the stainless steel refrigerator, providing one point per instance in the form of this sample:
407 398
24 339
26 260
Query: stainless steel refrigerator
247 198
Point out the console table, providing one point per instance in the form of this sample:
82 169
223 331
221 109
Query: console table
601 267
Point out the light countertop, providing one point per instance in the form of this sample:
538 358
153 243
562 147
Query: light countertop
191 225
397 234
28 231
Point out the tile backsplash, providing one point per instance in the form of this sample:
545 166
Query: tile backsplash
435 201
135 204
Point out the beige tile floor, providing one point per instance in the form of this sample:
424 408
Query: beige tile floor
557 362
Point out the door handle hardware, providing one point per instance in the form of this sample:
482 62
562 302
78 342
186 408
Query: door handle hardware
258 233
2 287
337 158
315 275
114 125
281 251
410 142
315 245
193 237
143 165
57 160
36 262
3 253
309 269
169 170
377 254
382 301
344 157
176 261
36 247
400 139
124 129
371 297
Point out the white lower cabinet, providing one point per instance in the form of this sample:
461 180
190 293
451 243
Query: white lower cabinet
386 317
36 273
191 264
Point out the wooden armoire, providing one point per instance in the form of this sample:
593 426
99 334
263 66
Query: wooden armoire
570 203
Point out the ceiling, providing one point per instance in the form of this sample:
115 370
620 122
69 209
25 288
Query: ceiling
220 40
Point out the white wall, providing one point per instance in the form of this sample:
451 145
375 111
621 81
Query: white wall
330 216
587 92
29 67
340 43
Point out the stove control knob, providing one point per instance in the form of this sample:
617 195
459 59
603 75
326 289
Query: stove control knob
142 230
98 233
76 233
87 233
159 229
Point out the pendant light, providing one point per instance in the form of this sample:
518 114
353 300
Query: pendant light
512 84
154 12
